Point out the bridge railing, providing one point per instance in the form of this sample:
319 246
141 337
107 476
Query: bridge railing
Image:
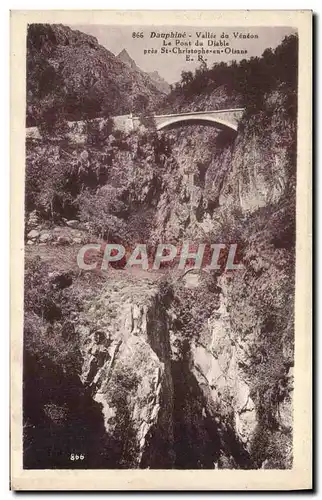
231 110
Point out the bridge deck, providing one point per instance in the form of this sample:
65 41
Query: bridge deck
129 122
232 110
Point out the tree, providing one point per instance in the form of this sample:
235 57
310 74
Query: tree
148 121
186 77
140 103
103 210
98 130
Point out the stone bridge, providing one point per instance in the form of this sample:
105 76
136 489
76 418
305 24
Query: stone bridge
221 118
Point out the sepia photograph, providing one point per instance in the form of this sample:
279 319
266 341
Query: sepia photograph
160 240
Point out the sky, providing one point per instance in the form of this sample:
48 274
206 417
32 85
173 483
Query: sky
170 66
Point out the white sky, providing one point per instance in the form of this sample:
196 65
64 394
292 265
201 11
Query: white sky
116 38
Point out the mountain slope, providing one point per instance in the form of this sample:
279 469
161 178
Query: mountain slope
158 81
69 73
125 57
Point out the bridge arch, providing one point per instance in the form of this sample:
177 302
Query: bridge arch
196 120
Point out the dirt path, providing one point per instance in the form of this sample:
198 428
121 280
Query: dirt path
64 258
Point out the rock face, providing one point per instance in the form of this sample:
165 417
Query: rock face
261 162
127 366
217 360
72 223
162 409
127 59
157 80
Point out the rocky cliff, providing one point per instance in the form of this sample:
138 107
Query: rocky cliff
158 81
127 366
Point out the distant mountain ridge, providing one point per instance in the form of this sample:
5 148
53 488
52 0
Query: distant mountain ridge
125 57
69 74
160 83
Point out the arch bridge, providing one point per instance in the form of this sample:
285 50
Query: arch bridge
227 119
221 118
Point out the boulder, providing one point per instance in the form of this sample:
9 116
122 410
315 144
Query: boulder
72 223
44 237
33 234
33 220
63 240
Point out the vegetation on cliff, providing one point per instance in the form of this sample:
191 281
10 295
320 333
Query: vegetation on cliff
229 85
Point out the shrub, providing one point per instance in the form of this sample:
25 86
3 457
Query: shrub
48 306
53 123
97 131
103 211
148 121
57 174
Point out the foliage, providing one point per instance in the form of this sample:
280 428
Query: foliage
111 182
57 174
98 131
148 121
122 391
102 210
245 83
190 310
49 304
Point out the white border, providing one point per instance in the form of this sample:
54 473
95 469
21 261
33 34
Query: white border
315 5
